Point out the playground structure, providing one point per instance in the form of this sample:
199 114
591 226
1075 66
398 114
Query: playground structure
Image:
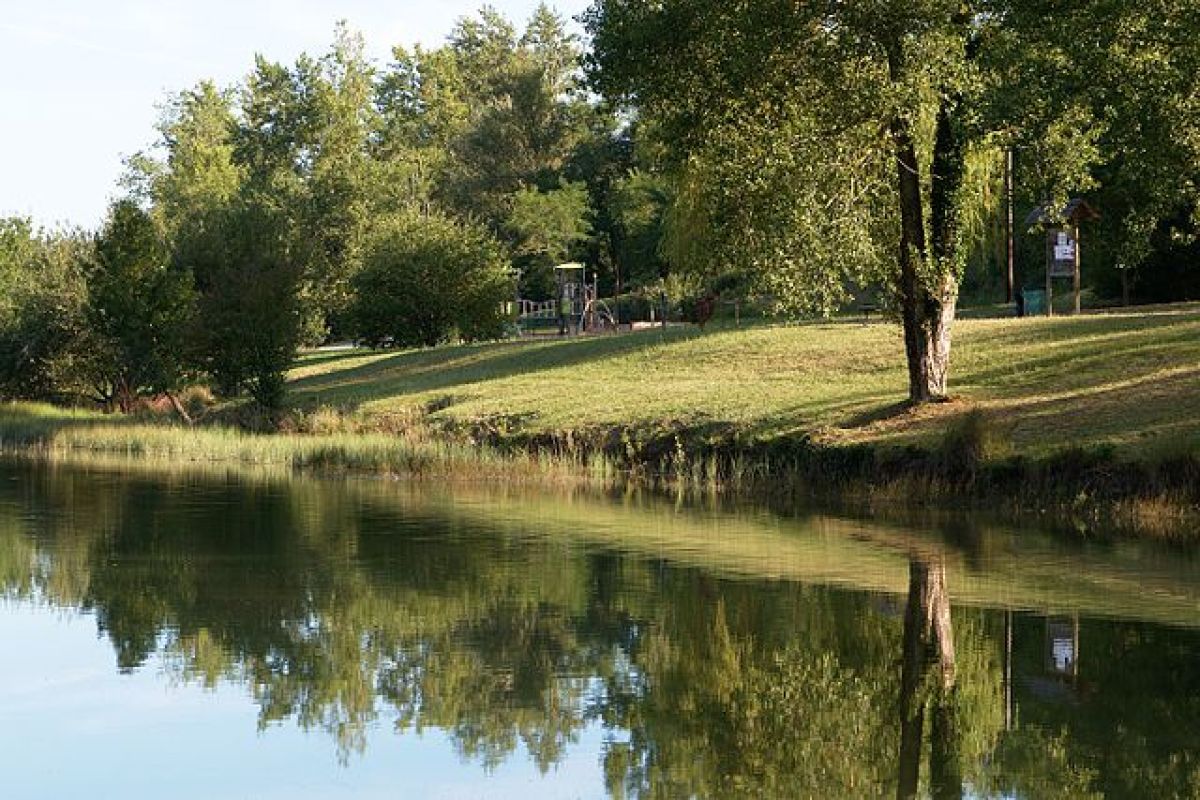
576 309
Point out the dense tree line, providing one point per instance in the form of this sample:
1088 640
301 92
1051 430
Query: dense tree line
801 152
327 199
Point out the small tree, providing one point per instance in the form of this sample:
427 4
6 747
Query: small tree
426 279
137 310
250 310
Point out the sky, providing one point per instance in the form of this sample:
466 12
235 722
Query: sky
81 80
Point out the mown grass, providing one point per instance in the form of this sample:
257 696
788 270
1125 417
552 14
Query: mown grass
1125 381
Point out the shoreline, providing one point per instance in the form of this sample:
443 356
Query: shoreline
1087 492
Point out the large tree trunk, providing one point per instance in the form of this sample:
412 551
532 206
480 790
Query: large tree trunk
928 284
928 678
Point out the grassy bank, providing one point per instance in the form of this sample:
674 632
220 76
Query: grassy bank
1125 381
1092 420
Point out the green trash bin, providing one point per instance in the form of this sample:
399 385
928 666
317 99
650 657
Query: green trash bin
1035 302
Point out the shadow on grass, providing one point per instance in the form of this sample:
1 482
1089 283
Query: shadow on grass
30 423
1091 355
1142 415
1129 410
874 415
1040 330
318 358
438 369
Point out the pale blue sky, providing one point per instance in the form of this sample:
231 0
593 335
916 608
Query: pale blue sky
80 79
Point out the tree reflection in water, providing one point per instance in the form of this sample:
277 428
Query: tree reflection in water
337 607
927 685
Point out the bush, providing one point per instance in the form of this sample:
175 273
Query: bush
633 307
426 279
969 444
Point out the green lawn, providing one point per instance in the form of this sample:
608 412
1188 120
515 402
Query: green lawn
1131 380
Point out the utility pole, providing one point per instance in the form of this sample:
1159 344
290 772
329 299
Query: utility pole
1010 283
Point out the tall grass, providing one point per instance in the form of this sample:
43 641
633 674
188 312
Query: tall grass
45 430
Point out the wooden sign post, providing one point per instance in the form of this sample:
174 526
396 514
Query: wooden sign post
1079 256
1064 257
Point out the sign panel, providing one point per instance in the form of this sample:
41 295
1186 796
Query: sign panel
1063 265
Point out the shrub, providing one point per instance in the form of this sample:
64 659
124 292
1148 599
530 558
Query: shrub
969 444
425 279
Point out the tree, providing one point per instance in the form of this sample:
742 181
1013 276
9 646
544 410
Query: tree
43 296
638 206
340 104
421 108
851 88
828 142
426 279
303 142
492 126
1127 131
250 315
524 119
197 177
230 192
547 227
18 248
138 310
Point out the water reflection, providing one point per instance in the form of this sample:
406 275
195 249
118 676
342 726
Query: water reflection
513 626
927 685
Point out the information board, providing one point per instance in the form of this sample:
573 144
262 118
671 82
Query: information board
1063 264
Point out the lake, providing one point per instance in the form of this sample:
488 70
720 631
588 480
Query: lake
203 633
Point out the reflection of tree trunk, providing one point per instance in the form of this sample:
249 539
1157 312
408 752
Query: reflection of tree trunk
945 766
928 679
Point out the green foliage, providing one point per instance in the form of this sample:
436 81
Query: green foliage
786 122
198 174
485 126
638 205
505 108
550 225
43 297
18 249
428 279
334 220
138 311
250 314
303 141
548 228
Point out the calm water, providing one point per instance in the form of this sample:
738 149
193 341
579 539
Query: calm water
218 636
